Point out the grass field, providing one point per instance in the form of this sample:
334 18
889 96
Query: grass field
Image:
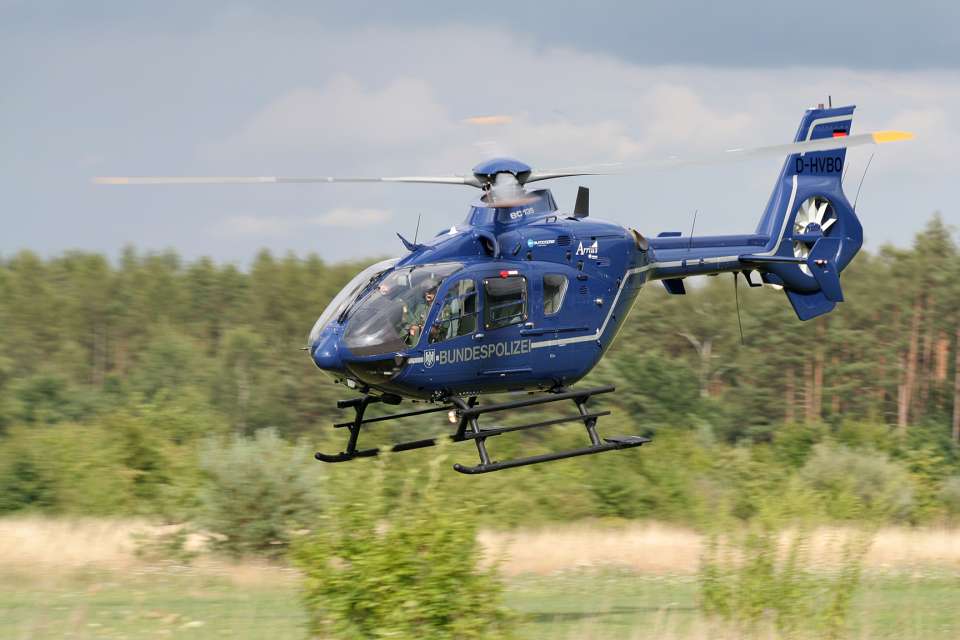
82 580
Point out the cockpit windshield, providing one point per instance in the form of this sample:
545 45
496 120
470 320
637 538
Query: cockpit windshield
392 316
347 295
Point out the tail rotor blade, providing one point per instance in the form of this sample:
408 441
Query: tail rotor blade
821 212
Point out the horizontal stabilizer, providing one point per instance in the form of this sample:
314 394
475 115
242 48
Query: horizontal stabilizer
750 258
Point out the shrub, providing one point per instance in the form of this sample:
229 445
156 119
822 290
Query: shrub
858 484
66 468
950 495
410 573
257 491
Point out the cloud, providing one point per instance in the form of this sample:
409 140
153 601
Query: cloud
340 218
259 225
256 95
566 107
345 111
347 218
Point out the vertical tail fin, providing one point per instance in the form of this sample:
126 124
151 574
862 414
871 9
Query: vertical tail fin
808 204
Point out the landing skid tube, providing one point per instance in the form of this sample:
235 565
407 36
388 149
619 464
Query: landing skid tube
468 428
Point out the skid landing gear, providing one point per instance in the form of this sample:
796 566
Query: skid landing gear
468 414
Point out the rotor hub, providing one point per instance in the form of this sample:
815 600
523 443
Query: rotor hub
487 171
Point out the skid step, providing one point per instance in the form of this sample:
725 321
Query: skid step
486 433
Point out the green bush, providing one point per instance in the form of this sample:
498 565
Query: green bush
858 484
66 468
950 495
256 492
411 571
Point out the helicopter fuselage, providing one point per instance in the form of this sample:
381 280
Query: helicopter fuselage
536 298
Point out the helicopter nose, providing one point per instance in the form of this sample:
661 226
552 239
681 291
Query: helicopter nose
326 352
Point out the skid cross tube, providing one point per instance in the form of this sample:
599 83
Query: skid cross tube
579 398
468 414
542 399
485 433
359 405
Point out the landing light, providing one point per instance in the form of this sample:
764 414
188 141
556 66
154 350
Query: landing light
452 416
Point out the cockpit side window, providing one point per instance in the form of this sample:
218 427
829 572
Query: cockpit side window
554 289
458 315
506 301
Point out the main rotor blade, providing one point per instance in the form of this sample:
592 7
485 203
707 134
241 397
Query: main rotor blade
609 168
731 155
824 144
159 180
790 148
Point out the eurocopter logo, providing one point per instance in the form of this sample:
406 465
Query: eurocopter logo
540 243
590 251
479 352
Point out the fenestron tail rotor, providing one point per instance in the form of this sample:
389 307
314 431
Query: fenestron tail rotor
814 218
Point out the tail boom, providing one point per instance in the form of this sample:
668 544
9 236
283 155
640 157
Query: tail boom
806 236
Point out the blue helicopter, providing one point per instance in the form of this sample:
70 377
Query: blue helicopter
520 297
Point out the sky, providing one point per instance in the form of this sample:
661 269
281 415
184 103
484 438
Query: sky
370 88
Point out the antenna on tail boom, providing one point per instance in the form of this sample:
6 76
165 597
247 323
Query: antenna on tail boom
862 178
736 298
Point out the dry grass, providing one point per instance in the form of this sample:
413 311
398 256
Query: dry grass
45 548
660 549
47 543
51 546
641 547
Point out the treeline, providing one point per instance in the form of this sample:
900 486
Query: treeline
81 336
125 388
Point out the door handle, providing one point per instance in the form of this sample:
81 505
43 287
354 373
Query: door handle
528 325
478 336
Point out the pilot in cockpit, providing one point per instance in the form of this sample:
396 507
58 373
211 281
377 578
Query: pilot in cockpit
415 315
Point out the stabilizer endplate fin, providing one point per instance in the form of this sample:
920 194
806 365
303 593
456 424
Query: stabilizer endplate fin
674 286
809 305
822 263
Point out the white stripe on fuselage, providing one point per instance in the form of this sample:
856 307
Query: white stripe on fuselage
663 265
